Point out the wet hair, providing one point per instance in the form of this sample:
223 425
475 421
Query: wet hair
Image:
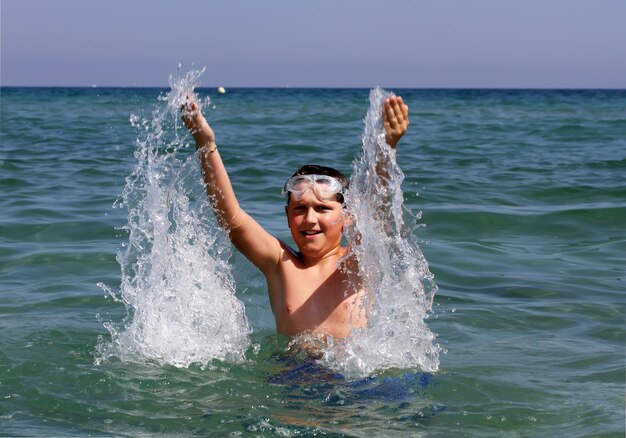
314 169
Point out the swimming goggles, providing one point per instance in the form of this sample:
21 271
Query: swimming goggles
323 184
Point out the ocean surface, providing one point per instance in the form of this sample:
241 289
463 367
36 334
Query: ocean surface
522 195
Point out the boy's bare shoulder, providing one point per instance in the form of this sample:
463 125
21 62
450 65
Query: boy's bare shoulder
289 254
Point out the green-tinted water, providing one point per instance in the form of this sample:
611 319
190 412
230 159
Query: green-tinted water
523 196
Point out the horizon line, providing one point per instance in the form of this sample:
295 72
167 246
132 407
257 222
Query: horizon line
287 87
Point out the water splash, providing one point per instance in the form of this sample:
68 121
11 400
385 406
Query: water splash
400 288
176 282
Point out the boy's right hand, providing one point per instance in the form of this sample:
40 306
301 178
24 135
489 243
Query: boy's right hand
197 125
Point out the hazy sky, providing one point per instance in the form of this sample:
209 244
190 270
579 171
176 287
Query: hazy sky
316 43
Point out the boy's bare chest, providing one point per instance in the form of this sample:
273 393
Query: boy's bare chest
310 300
317 290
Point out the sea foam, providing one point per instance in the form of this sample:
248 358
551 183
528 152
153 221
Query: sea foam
399 285
176 282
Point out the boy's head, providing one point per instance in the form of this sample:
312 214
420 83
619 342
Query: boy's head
326 180
314 209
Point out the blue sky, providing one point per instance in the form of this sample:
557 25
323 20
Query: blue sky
317 43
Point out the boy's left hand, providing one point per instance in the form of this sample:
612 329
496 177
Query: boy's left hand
395 119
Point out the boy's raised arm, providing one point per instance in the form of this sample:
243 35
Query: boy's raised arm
395 115
260 247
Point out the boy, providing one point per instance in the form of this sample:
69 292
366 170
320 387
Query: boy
316 289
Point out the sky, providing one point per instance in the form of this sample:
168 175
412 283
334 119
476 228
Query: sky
316 43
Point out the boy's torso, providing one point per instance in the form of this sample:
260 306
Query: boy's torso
322 299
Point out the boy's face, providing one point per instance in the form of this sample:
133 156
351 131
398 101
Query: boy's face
316 225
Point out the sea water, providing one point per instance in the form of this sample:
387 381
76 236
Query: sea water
176 283
392 269
522 199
